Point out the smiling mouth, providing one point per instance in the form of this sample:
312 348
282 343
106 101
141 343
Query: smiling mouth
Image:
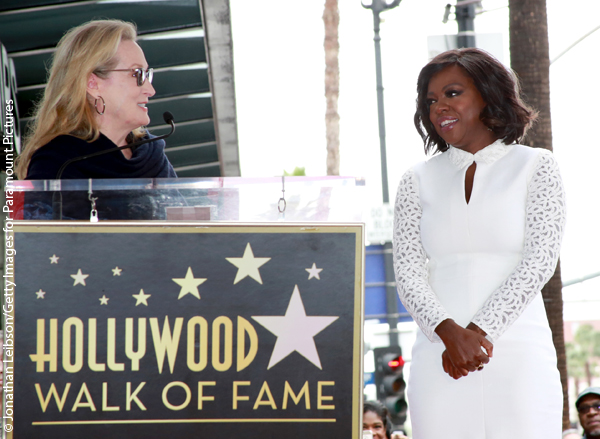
142 105
448 122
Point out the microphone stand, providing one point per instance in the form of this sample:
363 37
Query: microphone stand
57 195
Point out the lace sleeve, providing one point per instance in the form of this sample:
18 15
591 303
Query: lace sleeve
544 225
410 261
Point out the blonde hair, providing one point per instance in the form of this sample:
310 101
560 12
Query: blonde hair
66 107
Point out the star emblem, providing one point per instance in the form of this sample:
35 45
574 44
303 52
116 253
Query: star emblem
40 294
103 300
295 331
141 298
314 271
117 271
54 259
248 265
189 284
79 278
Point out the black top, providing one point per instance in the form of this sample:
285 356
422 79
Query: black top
148 160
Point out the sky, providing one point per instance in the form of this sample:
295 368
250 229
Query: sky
279 79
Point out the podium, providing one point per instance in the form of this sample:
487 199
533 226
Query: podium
191 308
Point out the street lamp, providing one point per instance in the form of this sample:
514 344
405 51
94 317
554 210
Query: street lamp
391 294
464 12
378 6
465 17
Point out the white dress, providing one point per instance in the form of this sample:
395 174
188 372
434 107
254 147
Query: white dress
483 262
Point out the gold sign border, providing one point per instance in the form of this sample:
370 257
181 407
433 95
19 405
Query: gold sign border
228 227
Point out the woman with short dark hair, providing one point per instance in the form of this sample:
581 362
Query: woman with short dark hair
505 114
477 234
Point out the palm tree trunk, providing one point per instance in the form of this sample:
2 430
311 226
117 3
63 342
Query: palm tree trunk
588 373
529 55
331 19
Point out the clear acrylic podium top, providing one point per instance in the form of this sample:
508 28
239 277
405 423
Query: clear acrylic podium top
291 199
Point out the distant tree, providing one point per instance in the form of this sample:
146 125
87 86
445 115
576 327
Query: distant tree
575 364
529 57
331 19
587 343
297 172
582 356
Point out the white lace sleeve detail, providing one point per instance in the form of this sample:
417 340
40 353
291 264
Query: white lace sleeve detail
410 260
544 226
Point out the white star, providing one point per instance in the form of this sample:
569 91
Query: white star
54 259
141 298
248 265
189 284
314 271
79 278
295 331
117 271
103 300
40 294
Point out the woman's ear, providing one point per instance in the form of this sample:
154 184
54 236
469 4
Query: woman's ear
92 84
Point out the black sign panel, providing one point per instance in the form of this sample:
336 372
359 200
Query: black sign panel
155 331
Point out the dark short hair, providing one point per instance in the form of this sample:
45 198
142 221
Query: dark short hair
506 114
380 410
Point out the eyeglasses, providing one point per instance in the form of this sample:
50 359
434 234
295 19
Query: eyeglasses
585 408
140 74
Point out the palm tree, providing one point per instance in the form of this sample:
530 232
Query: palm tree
331 19
529 56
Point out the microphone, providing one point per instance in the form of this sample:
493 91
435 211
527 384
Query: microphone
168 118
57 195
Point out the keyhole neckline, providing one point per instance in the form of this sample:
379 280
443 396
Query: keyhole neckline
469 181
488 155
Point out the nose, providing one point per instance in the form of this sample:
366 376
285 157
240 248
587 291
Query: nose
440 106
148 88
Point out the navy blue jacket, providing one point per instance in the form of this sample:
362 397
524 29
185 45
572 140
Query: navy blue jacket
148 160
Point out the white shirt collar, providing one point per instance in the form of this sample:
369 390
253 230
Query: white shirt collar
487 155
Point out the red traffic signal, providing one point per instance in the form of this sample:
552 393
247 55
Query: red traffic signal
391 362
396 363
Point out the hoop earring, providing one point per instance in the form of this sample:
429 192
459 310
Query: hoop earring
103 105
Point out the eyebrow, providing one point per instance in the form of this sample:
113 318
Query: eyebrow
444 88
454 84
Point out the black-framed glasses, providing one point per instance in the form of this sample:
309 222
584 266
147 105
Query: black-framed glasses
140 74
585 408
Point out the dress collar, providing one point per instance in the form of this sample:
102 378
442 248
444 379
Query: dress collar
488 155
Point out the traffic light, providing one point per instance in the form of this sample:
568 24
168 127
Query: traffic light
390 382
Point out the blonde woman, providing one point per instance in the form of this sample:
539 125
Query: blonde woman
95 99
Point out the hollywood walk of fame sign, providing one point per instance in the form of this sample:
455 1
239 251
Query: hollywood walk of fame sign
154 330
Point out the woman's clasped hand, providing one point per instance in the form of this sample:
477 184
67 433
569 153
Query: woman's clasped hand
467 349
